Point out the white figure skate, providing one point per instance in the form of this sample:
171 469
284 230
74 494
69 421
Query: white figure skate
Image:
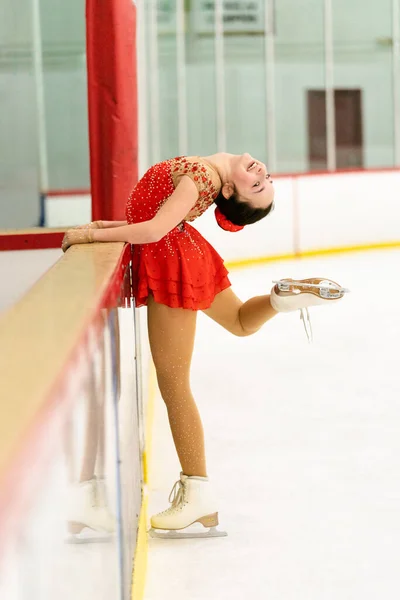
89 518
288 295
191 502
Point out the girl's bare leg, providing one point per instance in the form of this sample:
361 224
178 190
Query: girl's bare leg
240 318
171 335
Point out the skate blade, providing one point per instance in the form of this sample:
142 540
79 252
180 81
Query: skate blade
327 289
89 536
181 534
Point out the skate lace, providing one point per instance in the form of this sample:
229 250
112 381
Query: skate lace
177 495
176 498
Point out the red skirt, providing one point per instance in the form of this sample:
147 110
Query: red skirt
182 270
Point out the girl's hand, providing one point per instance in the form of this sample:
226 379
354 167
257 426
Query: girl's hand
77 236
92 225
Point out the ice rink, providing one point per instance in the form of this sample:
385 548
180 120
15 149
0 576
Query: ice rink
303 446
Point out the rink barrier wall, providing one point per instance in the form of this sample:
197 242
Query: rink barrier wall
26 322
58 310
29 435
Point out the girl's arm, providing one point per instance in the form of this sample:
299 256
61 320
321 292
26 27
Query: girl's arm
172 212
137 233
101 224
107 224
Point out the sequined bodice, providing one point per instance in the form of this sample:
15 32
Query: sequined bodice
160 181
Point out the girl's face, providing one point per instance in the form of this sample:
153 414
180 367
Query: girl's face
252 181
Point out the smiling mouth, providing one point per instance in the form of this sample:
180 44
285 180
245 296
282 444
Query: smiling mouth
252 165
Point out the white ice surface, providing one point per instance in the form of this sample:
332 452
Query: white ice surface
20 270
303 447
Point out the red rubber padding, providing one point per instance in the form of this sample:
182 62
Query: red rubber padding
112 93
31 241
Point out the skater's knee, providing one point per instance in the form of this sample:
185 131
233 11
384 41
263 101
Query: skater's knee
241 331
235 326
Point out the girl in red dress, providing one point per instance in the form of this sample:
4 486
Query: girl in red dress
177 273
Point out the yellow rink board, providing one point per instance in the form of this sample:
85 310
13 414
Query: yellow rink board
38 335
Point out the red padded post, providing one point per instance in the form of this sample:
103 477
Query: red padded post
112 98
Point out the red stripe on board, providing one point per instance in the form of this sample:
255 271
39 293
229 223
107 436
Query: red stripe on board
31 241
52 193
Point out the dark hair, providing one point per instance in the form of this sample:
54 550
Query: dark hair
239 212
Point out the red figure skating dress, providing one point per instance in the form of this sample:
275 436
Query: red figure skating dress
182 270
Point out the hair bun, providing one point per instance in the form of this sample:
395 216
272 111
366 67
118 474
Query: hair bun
225 223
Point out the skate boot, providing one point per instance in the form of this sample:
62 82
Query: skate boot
89 519
191 502
101 494
288 295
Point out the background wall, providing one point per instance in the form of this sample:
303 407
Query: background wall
362 35
64 62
